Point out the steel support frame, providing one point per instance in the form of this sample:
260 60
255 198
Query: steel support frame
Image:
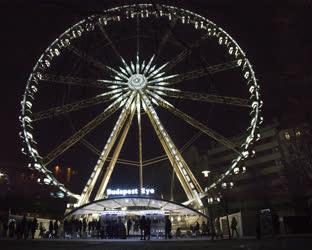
85 195
184 174
101 191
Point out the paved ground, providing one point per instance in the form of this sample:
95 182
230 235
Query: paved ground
281 243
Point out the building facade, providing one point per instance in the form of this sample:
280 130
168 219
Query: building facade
278 179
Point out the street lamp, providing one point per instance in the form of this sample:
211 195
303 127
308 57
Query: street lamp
211 200
224 187
214 199
206 173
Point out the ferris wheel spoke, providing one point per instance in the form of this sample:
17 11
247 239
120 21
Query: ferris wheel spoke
184 174
185 53
91 60
85 130
165 37
194 74
161 158
97 152
125 113
110 41
73 81
203 97
137 39
114 48
196 124
102 98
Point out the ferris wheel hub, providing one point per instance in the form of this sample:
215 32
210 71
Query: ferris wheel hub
137 81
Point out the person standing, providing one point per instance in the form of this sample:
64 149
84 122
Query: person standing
234 227
142 227
84 226
147 230
203 228
50 229
217 227
55 227
11 228
196 229
167 228
34 226
129 225
23 228
4 228
41 229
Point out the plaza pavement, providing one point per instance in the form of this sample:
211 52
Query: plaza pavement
279 243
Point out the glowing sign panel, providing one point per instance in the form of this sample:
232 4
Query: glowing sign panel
135 191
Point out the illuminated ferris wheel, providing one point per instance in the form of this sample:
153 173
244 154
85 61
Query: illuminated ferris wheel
131 77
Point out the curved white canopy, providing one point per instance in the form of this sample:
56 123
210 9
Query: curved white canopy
136 205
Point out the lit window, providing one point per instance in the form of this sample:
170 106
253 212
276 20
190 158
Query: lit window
298 133
287 136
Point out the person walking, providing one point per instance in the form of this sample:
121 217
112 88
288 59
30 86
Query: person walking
196 229
129 225
168 226
142 227
234 227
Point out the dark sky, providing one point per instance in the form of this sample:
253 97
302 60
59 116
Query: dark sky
276 37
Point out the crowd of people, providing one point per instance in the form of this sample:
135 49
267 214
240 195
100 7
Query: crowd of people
23 229
108 228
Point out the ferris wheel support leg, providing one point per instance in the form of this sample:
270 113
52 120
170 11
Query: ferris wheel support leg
186 178
111 166
138 106
109 144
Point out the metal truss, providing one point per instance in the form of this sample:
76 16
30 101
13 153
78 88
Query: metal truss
84 198
52 112
184 174
203 97
85 130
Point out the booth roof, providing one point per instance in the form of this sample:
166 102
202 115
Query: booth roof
137 202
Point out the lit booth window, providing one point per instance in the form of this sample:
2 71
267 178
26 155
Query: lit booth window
122 208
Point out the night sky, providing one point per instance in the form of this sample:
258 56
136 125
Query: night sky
276 38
